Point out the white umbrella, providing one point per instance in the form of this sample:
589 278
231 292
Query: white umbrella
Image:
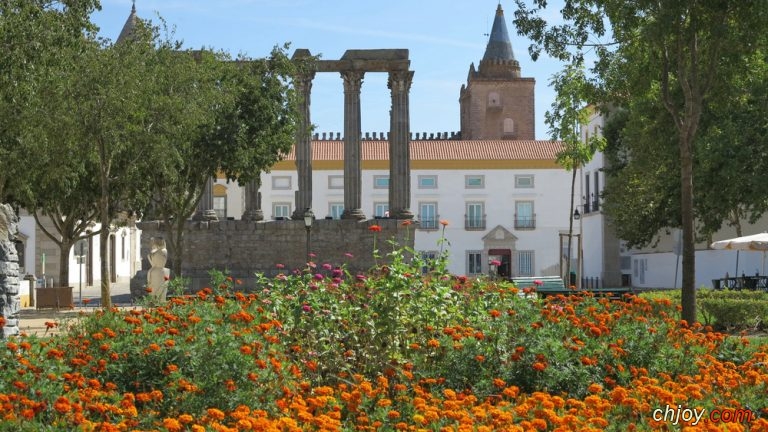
755 242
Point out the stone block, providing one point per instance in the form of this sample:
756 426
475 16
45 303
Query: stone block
9 268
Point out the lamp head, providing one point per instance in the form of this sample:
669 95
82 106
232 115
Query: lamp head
576 214
309 217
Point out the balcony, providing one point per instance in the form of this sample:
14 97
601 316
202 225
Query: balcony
429 222
525 222
474 223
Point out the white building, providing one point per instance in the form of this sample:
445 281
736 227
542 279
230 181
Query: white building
503 200
607 260
39 255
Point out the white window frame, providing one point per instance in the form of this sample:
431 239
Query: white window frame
433 222
477 222
530 256
381 209
221 211
335 210
281 205
520 181
422 178
474 262
522 225
379 180
469 179
335 182
282 182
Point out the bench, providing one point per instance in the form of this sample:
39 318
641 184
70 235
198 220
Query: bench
554 285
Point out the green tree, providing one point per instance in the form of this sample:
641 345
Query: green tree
678 47
114 93
570 112
215 115
34 37
39 43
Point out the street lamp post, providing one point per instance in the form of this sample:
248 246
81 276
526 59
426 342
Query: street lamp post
309 218
579 253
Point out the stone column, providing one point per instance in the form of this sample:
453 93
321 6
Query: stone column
303 85
353 80
205 210
399 155
9 273
253 210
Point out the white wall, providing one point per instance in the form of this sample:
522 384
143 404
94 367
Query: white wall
710 264
550 195
27 227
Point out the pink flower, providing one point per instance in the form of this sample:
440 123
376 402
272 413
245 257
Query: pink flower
327 266
312 255
361 277
280 266
495 263
318 276
306 308
349 255
537 282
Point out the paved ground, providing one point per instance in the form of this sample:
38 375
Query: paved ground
33 321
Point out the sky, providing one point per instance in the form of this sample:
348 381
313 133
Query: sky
443 38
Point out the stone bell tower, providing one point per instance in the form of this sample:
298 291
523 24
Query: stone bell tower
497 103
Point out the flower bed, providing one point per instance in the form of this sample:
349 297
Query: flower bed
389 350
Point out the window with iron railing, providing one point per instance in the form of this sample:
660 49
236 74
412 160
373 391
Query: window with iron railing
428 218
524 216
474 219
525 222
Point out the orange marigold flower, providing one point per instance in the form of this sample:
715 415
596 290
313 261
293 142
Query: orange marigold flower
539 366
595 388
215 413
172 424
393 414
494 313
406 222
433 343
374 228
50 325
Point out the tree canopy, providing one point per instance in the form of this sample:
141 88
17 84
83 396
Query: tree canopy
665 58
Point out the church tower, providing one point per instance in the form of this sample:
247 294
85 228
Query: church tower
497 103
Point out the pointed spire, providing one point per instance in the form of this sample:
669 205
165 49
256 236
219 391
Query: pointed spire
499 47
129 26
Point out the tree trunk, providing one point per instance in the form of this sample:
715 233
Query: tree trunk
688 300
570 232
175 239
64 247
106 298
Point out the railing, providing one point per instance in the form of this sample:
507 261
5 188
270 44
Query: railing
744 282
525 222
474 222
429 222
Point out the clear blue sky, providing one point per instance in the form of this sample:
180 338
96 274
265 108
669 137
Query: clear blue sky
443 36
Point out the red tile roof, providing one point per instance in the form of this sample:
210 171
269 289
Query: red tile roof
327 150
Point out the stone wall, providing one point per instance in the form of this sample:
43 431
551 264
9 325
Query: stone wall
245 247
9 272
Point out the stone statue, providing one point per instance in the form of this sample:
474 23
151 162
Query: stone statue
157 277
9 273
